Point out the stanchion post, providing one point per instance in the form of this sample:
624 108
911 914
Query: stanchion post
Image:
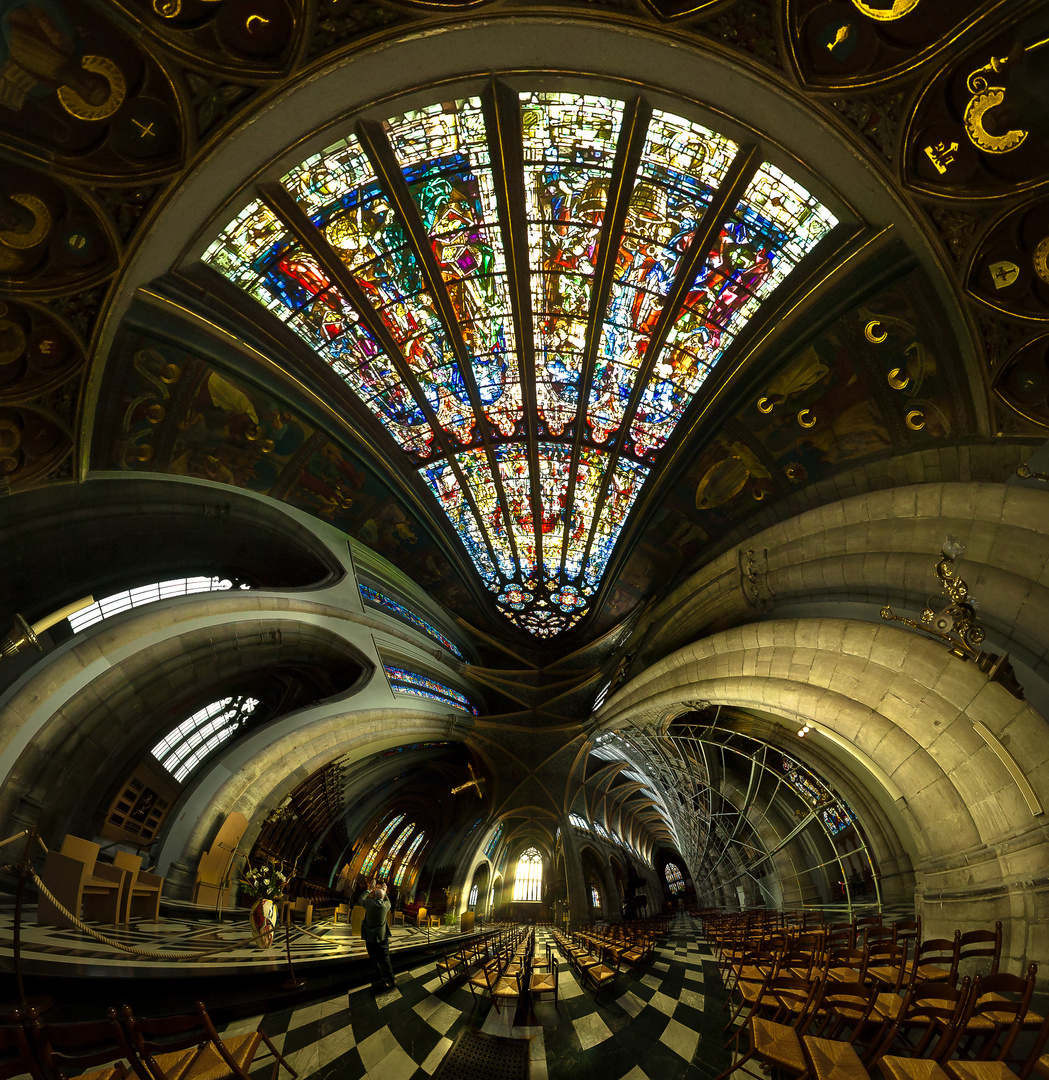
291 983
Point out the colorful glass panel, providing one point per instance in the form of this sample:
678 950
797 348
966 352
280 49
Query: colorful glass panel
369 862
674 879
569 148
387 603
410 682
493 842
776 223
443 151
682 165
407 860
528 881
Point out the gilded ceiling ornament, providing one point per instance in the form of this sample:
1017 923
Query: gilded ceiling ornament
167 9
77 106
986 97
807 418
41 223
1041 259
870 335
898 9
915 420
896 382
1003 273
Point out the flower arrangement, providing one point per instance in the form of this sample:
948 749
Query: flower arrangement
264 882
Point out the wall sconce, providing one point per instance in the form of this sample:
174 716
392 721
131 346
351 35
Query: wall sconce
22 635
956 623
803 731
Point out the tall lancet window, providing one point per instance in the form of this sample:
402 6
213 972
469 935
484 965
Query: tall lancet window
528 882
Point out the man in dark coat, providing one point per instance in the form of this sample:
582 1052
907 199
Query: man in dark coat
376 932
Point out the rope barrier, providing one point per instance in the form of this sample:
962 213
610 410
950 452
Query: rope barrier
12 839
177 957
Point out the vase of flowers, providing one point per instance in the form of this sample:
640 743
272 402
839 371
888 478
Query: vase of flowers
265 884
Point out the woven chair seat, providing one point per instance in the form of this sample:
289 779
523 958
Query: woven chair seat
888 1006
776 1043
542 982
904 1068
833 1060
206 1063
506 988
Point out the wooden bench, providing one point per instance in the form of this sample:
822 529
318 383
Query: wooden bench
141 889
85 887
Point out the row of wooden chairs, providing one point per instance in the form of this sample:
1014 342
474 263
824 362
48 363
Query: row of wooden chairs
514 970
180 1047
597 966
833 1030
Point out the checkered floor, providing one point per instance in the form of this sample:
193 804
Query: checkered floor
222 947
662 1022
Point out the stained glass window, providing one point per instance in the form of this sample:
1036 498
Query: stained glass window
369 862
578 822
595 896
535 449
834 814
407 860
186 746
395 849
493 842
473 896
528 881
674 879
410 682
600 830
387 603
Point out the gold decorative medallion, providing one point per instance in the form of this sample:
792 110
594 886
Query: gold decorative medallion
807 418
986 97
1003 273
1041 259
896 382
76 106
870 335
915 420
41 223
897 11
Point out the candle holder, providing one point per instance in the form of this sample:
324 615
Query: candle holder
19 639
955 623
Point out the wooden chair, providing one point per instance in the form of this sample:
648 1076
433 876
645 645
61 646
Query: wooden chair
544 982
66 1049
1036 1060
507 988
451 965
994 1014
930 1025
85 887
16 1055
187 1047
602 976
780 1015
141 889
979 945
935 960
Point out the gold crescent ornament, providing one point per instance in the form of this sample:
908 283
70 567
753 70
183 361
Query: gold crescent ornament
41 223
896 382
915 420
986 97
897 11
806 418
167 9
764 405
870 335
1041 259
76 106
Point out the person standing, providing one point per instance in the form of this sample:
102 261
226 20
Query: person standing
376 932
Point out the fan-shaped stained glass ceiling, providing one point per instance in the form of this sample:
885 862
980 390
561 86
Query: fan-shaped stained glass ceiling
526 292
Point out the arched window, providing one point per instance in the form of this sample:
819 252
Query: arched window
528 882
473 896
406 862
595 896
493 843
109 606
366 866
387 865
674 879
185 747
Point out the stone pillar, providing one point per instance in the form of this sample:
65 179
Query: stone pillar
578 900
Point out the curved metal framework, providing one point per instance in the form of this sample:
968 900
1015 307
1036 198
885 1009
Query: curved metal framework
739 807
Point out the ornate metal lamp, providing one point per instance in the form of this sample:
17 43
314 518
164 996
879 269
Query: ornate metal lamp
956 624
24 636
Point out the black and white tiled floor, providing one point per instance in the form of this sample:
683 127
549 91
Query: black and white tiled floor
662 1022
